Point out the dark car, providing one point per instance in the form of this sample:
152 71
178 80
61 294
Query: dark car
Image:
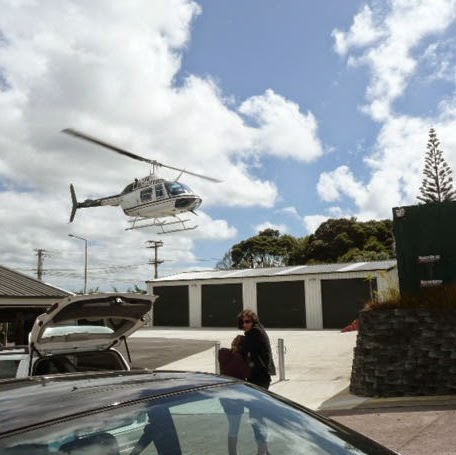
170 413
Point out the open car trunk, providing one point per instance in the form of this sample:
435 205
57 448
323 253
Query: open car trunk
85 323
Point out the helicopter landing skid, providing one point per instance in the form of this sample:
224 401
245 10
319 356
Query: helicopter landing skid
140 223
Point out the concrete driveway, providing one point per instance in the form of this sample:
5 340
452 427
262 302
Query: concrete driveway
317 363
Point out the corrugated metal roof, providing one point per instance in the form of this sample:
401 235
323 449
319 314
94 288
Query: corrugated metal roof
16 284
280 271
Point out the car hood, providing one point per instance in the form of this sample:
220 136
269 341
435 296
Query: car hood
89 322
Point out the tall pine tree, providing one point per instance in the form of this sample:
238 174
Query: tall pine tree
437 184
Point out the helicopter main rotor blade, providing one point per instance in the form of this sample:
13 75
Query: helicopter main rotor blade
96 141
201 176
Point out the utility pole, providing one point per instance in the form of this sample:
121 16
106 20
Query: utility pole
41 253
155 244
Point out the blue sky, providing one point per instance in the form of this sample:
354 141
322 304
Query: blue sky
306 110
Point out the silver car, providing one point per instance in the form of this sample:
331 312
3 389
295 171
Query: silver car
77 334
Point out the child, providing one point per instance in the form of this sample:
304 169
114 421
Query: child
231 361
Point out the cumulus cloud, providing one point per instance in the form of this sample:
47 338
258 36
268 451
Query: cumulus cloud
362 33
312 222
282 129
388 49
58 70
395 166
282 228
438 61
332 185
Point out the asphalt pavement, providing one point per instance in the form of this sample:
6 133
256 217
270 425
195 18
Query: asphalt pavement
154 352
317 375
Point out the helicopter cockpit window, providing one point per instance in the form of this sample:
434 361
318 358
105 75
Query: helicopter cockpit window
175 188
159 191
146 194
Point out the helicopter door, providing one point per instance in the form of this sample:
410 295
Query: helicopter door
159 191
146 194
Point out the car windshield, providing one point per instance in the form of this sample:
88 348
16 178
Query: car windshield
202 421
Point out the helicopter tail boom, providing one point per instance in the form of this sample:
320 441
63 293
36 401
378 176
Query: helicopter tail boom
110 200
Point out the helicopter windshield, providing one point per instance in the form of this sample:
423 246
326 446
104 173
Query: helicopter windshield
175 188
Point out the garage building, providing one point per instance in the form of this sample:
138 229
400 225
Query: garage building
325 296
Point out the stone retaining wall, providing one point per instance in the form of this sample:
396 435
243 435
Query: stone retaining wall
405 352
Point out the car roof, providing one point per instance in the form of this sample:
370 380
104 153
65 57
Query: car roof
36 400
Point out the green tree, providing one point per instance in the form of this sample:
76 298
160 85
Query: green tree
298 252
346 240
226 263
267 249
437 184
335 240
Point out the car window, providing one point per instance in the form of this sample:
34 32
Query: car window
8 368
79 362
97 361
190 423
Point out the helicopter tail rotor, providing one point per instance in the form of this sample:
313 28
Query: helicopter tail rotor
75 203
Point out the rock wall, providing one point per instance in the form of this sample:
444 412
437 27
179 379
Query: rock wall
405 352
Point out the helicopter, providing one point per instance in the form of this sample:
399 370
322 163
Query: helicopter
151 200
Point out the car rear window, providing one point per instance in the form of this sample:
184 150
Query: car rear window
79 362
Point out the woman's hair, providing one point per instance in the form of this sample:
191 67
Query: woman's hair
247 314
237 343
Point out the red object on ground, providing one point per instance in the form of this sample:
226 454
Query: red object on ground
351 327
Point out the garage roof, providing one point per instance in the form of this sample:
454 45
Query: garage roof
16 284
279 271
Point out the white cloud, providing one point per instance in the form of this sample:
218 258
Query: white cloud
210 229
397 160
290 211
283 130
332 185
362 33
282 228
438 61
60 68
311 222
396 167
400 28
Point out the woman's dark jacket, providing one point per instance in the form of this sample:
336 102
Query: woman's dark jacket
257 351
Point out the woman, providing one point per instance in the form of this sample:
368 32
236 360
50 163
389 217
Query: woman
256 349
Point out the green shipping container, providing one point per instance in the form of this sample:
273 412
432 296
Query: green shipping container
425 238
